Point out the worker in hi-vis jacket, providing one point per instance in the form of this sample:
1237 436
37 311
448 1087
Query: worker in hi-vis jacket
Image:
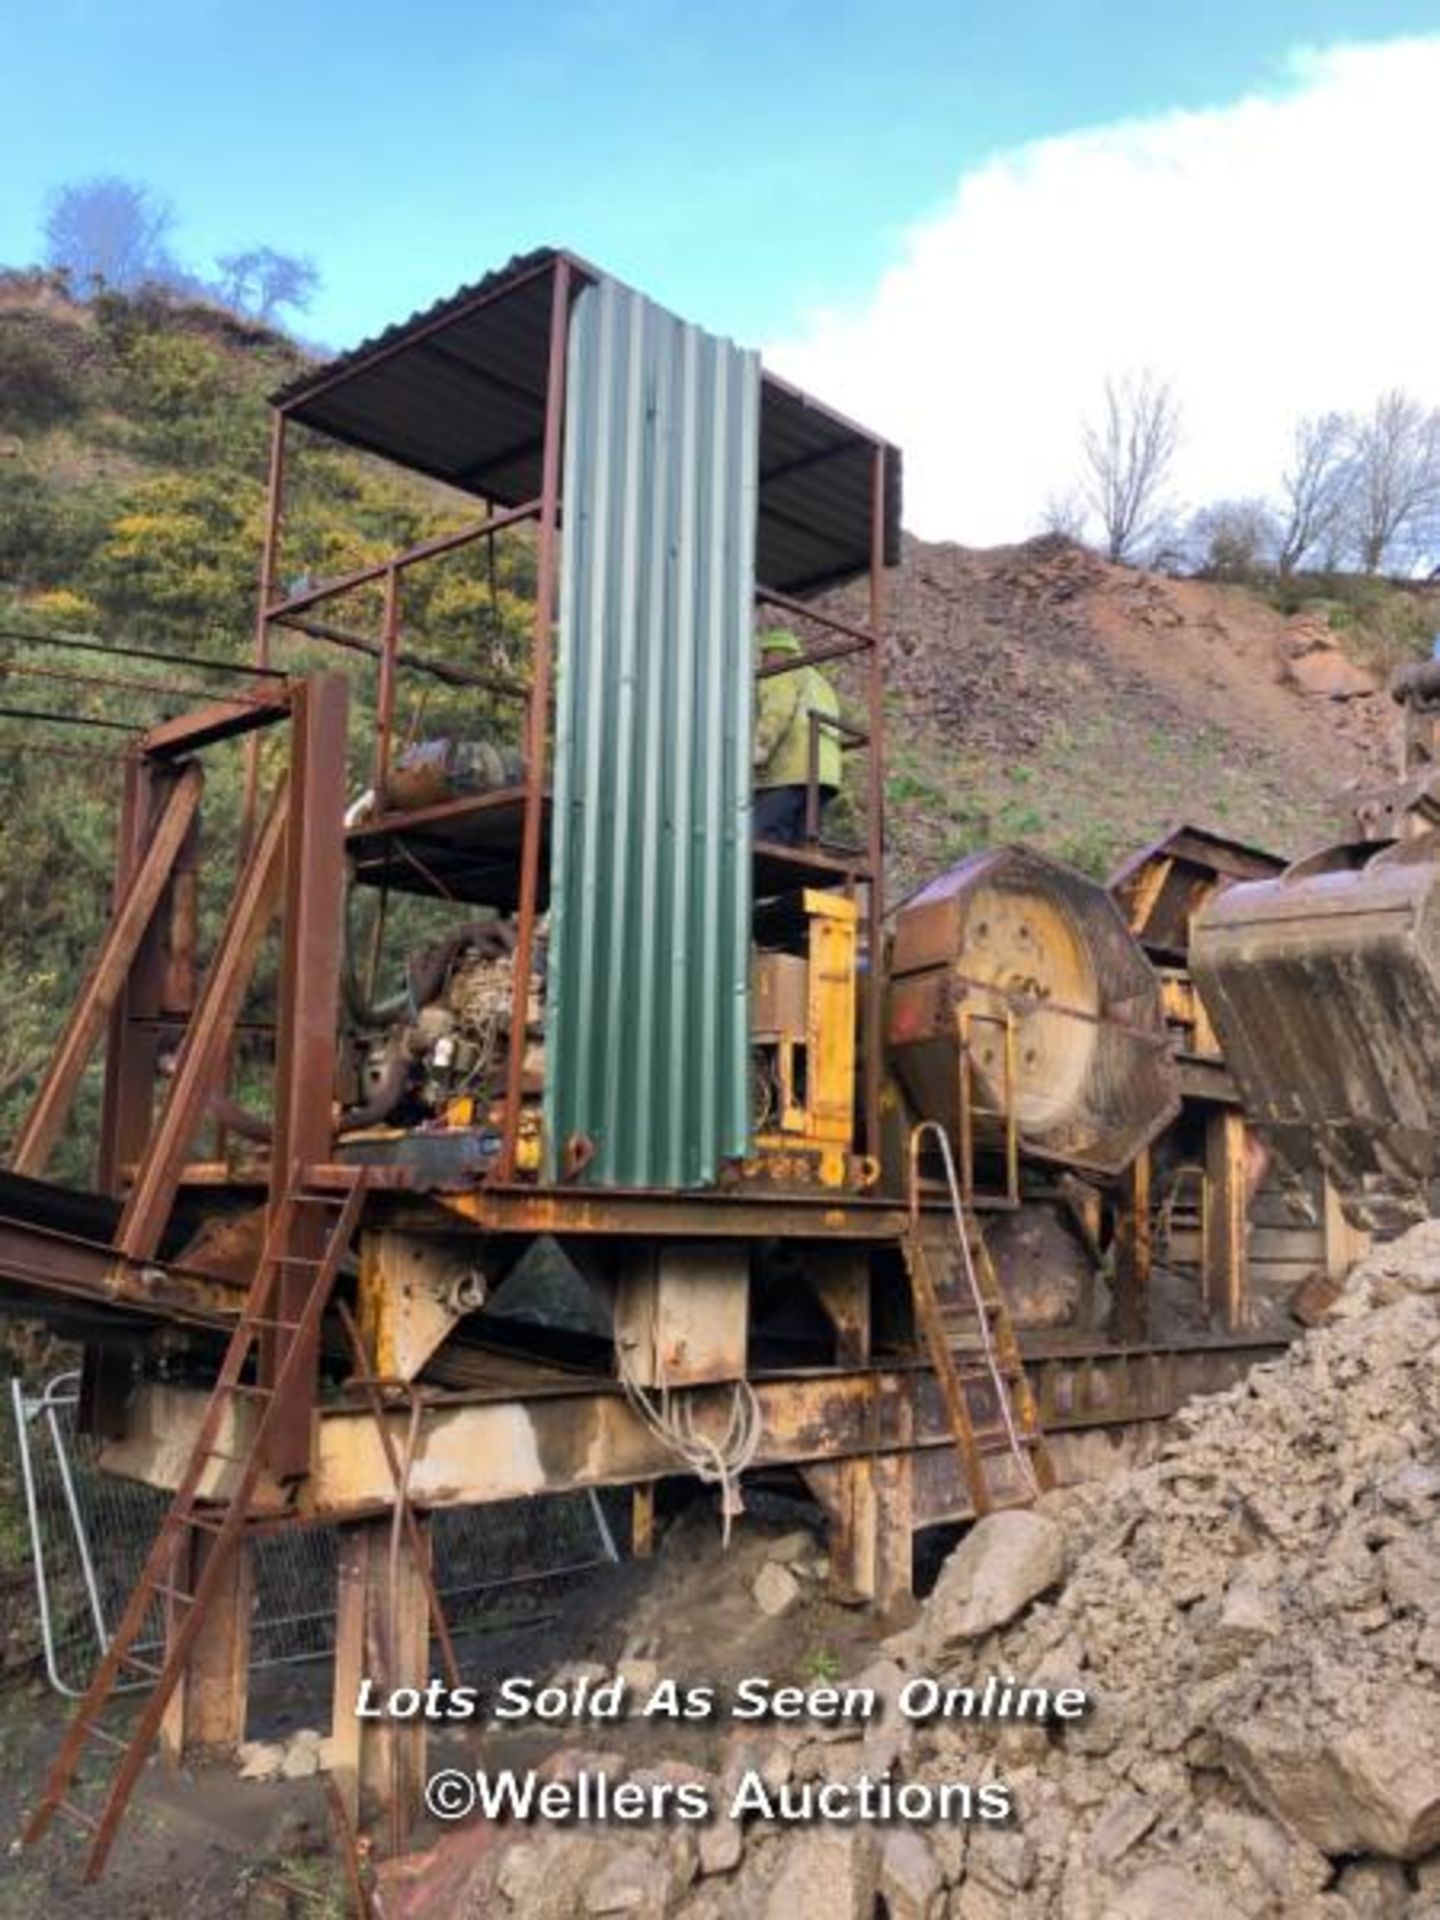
785 704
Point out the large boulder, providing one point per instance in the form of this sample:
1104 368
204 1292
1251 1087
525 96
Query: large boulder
547 1878
1005 1561
910 1882
776 1590
827 1873
1165 1893
1324 671
1372 1786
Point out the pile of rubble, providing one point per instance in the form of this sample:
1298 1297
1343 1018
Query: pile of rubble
1053 695
1256 1621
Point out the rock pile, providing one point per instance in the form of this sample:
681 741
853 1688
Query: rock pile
1256 1620
1053 696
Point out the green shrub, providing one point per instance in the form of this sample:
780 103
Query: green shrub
41 382
46 537
180 556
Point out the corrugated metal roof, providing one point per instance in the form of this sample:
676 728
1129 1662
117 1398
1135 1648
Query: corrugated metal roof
816 489
648 1018
458 392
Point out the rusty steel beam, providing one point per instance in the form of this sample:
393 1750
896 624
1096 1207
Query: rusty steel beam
202 1052
265 592
869 1504
822 653
738 1215
537 713
474 1452
382 1632
132 1048
938 1493
221 720
874 1019
307 1019
442 670
106 979
432 549
1226 1278
46 1262
385 694
1133 1252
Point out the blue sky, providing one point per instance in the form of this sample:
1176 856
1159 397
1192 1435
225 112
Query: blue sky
744 162
818 179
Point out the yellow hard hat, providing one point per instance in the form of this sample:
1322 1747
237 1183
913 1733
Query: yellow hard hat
779 640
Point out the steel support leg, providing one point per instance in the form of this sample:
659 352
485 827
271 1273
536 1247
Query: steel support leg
208 1707
382 1635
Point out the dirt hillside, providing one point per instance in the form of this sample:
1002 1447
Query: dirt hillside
1038 692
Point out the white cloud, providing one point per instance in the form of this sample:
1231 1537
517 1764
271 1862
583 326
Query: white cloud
1273 257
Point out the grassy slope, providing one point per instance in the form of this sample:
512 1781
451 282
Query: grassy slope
133 442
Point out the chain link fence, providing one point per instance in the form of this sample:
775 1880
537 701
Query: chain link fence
90 1533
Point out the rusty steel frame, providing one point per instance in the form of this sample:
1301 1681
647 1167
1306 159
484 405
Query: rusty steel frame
846 637
537 715
584 1434
106 979
269 554
442 670
564 271
432 549
874 1028
307 1021
744 1213
64 1266
132 1049
221 720
850 638
201 1059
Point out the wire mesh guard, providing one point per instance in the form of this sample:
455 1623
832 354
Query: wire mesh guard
90 1532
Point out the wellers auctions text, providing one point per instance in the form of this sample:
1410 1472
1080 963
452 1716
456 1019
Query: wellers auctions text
520 1698
593 1797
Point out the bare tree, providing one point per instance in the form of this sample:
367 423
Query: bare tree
1396 497
1233 539
110 232
261 281
1129 454
1317 488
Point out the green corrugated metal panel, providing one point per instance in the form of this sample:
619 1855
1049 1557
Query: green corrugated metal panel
648 984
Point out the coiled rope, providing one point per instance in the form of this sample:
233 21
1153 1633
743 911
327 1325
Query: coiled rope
670 1417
